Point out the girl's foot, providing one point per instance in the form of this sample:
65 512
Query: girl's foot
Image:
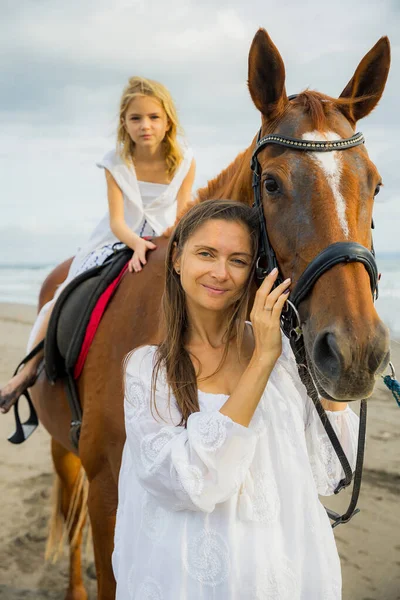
14 388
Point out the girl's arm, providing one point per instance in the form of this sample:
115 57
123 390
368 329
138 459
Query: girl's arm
116 209
184 196
121 230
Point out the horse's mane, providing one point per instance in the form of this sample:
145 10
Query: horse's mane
230 176
318 106
213 187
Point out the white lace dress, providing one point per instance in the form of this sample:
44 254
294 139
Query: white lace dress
218 511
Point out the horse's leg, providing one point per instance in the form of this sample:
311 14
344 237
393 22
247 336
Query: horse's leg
102 510
68 467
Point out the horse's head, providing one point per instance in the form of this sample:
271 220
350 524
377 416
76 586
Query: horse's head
314 199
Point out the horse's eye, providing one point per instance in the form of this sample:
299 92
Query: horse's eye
377 189
271 185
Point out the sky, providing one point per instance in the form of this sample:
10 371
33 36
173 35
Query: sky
63 66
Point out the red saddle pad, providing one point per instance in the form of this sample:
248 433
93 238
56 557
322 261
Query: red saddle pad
94 321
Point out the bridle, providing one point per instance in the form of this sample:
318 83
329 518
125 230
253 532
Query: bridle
337 253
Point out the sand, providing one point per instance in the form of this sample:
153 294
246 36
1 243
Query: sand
369 545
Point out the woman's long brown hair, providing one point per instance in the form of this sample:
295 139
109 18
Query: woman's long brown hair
171 354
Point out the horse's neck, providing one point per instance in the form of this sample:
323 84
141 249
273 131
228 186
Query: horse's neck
233 183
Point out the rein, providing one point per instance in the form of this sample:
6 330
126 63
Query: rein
337 253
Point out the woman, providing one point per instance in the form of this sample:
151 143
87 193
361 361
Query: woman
149 179
225 454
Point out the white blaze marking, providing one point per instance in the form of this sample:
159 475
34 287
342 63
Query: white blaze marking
331 164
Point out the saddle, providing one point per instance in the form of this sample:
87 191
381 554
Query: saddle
72 326
73 311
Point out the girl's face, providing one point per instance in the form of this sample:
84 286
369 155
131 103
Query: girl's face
215 265
146 121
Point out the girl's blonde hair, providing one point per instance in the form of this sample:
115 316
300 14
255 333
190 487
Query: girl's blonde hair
139 86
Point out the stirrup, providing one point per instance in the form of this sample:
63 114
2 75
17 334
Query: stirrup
25 429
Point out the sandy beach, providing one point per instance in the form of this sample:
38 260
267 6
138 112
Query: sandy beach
369 545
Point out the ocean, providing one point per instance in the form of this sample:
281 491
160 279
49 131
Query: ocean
21 283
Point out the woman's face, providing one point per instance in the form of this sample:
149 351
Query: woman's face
146 121
215 264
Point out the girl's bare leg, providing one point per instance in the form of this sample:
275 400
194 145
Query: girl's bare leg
26 376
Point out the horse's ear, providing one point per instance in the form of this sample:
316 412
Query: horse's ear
368 82
266 76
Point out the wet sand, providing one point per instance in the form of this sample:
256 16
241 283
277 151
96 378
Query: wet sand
369 545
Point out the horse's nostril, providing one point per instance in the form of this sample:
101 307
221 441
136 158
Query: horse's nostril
327 356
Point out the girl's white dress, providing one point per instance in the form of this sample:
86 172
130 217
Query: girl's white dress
218 511
149 209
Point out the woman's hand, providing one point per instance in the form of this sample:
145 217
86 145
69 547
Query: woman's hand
139 255
265 318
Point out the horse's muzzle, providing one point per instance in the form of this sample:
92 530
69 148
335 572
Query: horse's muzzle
344 367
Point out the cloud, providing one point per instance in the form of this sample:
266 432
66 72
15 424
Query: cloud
63 66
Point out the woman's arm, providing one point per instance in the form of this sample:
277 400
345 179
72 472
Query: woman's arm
184 196
185 468
265 319
204 464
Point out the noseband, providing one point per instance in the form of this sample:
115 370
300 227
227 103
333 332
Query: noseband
337 253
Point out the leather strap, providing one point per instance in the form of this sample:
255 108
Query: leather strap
310 145
301 359
335 254
339 253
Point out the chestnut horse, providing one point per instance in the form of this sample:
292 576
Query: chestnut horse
310 201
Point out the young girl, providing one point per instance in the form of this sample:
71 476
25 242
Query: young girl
225 454
149 180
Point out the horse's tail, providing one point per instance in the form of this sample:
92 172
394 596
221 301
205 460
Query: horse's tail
63 528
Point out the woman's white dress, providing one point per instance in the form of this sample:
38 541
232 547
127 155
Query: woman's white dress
218 511
149 209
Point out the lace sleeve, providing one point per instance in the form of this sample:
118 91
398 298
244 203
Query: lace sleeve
325 465
191 468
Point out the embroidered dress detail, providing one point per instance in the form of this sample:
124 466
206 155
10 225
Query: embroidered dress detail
153 449
135 395
266 504
149 590
279 584
207 558
210 431
217 510
155 518
189 479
